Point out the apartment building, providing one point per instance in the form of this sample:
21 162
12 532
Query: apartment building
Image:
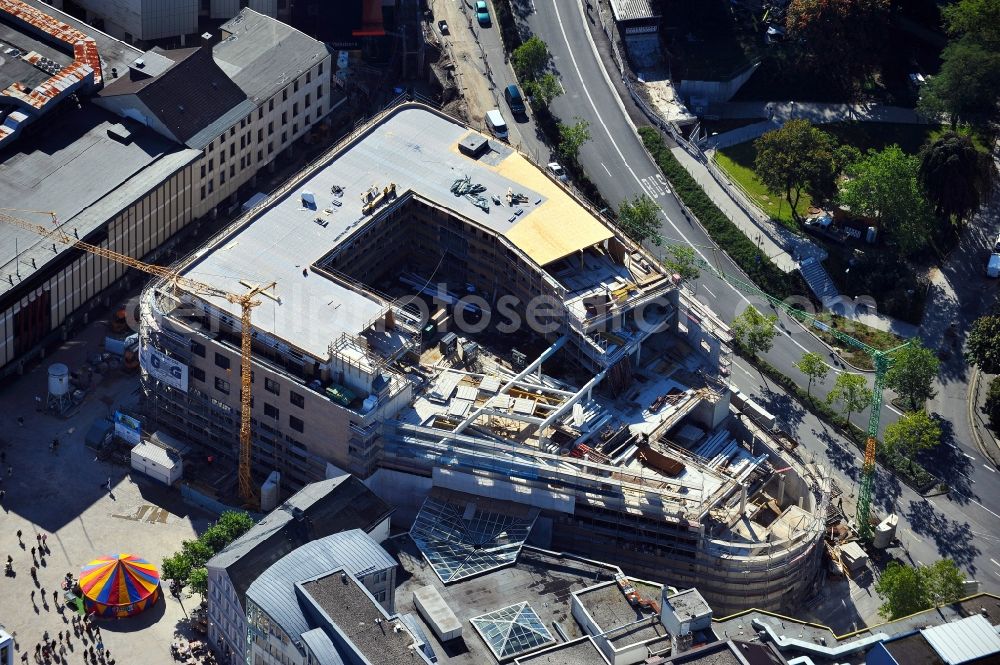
318 510
168 138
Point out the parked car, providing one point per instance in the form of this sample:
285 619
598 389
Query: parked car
495 121
514 99
558 171
443 27
483 14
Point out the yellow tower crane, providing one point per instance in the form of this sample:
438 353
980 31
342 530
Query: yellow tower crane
247 301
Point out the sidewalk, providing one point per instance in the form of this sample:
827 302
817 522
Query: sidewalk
782 246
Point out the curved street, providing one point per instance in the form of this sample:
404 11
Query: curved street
960 525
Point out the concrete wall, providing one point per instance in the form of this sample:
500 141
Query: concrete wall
713 92
494 488
227 621
405 492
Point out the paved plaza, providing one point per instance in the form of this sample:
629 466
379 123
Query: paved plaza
64 496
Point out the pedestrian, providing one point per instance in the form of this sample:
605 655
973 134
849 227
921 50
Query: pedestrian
32 596
109 483
3 493
18 535
38 538
34 573
55 596
32 552
45 540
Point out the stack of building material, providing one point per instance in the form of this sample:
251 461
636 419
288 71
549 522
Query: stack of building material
853 557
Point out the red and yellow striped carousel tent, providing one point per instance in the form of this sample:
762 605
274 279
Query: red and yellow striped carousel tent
119 585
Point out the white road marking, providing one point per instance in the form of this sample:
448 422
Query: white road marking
621 156
970 457
605 168
988 468
995 562
709 291
967 476
894 409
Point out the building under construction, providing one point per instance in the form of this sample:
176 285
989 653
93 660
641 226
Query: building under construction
448 318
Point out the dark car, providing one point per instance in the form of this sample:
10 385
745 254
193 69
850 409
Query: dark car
443 27
514 99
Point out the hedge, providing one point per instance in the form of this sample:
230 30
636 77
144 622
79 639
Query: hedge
916 476
727 235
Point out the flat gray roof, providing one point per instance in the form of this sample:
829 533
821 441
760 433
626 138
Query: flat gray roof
578 652
363 621
543 579
416 149
614 614
13 68
115 54
263 55
274 591
73 168
633 10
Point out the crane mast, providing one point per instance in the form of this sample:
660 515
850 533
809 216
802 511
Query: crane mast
882 361
247 301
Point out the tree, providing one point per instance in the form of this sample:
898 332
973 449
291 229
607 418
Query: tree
234 523
993 404
852 391
176 567
912 374
198 581
883 185
912 433
680 260
955 176
906 590
753 331
977 19
984 343
820 27
543 89
967 87
943 581
572 137
640 219
812 365
795 157
530 58
197 552
902 590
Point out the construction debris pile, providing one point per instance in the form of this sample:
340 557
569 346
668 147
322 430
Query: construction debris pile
472 191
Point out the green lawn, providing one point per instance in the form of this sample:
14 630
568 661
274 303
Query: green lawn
737 162
859 331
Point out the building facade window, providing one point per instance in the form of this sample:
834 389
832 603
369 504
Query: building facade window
221 361
270 411
296 424
197 373
296 399
272 386
222 385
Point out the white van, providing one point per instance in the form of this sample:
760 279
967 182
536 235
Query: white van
496 124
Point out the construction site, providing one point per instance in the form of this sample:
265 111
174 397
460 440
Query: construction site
425 308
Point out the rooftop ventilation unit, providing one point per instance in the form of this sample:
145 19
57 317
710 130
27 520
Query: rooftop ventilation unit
120 133
140 63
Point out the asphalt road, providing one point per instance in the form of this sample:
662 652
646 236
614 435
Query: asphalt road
964 525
